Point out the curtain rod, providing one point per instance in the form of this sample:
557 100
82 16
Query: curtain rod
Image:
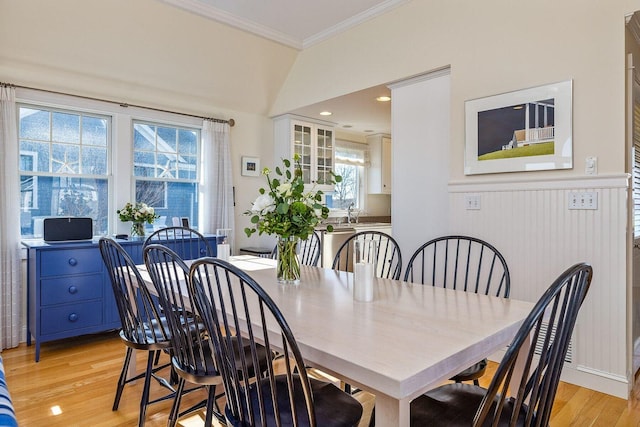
122 104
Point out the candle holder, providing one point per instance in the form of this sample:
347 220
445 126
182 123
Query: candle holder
365 256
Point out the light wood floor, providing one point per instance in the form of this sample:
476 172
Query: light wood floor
78 377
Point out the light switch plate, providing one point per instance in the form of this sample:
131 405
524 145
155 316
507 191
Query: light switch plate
583 200
591 165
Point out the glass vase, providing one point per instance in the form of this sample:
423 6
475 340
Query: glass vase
288 266
137 229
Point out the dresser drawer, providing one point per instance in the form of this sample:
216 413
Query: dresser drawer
70 261
54 320
71 289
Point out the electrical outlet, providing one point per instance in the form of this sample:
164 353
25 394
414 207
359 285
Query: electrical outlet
472 202
583 200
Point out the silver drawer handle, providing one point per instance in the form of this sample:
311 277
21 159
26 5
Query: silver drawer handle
73 261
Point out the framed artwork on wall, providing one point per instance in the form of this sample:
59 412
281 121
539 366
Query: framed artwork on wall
524 130
250 166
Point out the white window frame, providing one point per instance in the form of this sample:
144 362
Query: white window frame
362 178
121 182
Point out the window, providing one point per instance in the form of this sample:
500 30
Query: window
63 167
165 169
349 164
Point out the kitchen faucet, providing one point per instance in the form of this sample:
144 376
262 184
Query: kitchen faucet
349 213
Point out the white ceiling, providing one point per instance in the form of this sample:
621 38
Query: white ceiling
300 24
295 23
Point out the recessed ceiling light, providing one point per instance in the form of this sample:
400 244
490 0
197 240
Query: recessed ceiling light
518 107
368 130
326 113
383 98
347 126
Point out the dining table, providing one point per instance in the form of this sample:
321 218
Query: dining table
409 339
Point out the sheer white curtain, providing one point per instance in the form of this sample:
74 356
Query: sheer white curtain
10 272
216 183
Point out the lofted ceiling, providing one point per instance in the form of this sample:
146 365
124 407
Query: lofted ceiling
295 23
300 24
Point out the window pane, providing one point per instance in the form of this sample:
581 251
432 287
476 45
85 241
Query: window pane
170 199
66 127
34 156
65 158
94 131
34 124
171 168
167 139
47 196
187 167
346 191
187 141
54 145
94 161
144 137
167 165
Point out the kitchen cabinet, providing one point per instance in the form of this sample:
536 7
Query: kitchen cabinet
379 172
69 291
313 141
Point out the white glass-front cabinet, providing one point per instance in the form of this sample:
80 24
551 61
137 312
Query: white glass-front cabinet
380 164
314 142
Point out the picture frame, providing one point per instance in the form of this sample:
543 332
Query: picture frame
520 131
250 166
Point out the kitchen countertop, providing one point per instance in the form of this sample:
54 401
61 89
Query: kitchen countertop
353 226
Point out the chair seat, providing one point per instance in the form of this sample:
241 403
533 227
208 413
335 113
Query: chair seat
333 407
453 405
204 365
472 372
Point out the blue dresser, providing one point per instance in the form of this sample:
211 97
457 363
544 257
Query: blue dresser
68 291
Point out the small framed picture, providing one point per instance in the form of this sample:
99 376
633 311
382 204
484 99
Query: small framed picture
185 221
250 166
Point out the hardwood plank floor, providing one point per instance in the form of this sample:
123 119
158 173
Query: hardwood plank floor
77 377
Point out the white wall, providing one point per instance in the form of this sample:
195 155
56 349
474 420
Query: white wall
420 168
497 46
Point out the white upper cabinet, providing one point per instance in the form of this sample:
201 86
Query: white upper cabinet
379 181
313 142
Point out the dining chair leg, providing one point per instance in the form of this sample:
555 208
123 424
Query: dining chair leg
211 400
123 379
144 401
175 408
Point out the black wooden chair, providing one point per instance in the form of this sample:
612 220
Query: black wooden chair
533 393
143 325
192 355
389 258
463 263
187 242
228 300
310 250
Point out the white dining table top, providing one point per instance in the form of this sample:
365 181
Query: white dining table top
409 339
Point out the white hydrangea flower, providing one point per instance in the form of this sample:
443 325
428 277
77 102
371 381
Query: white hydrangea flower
284 189
263 204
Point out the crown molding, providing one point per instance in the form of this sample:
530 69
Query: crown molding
207 11
355 20
235 21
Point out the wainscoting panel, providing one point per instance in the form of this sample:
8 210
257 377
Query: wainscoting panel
531 224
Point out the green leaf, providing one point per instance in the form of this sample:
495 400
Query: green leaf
278 170
329 228
282 208
288 174
255 219
286 162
